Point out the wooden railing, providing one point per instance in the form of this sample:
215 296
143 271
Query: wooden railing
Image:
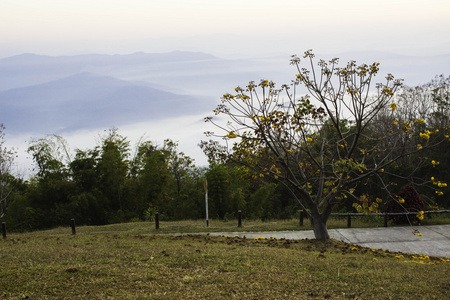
385 215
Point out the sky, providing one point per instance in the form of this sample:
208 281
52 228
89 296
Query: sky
246 28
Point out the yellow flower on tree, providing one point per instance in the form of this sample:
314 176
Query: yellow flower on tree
424 136
393 105
309 140
231 135
420 215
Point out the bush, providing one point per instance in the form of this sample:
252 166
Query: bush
412 203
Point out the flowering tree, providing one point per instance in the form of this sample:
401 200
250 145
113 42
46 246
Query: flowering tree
314 136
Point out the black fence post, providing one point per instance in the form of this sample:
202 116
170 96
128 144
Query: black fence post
157 220
385 220
4 229
72 224
301 218
349 221
239 218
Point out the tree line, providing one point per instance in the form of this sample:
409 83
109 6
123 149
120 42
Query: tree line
114 183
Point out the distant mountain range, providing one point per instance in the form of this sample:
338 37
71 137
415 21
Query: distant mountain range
30 69
44 94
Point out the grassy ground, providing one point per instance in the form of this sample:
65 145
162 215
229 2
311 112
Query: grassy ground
128 261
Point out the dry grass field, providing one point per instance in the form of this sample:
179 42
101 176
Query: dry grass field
132 261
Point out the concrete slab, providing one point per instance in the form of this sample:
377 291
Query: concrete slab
435 240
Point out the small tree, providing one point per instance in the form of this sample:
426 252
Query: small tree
316 140
6 162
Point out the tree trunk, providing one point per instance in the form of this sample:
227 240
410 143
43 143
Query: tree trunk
320 228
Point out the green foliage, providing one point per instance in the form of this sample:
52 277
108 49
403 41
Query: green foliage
112 169
149 214
103 185
260 205
20 215
218 190
7 181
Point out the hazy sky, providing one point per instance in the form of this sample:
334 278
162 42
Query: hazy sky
232 27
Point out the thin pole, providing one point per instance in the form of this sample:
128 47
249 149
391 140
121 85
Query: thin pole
206 201
157 220
72 224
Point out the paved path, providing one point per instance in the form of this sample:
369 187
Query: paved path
435 240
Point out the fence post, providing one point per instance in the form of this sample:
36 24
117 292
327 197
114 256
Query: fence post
4 229
385 220
157 220
72 224
301 218
239 218
349 221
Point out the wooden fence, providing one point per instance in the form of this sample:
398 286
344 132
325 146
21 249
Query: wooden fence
385 215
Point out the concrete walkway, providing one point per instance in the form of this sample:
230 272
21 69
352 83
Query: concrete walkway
435 240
